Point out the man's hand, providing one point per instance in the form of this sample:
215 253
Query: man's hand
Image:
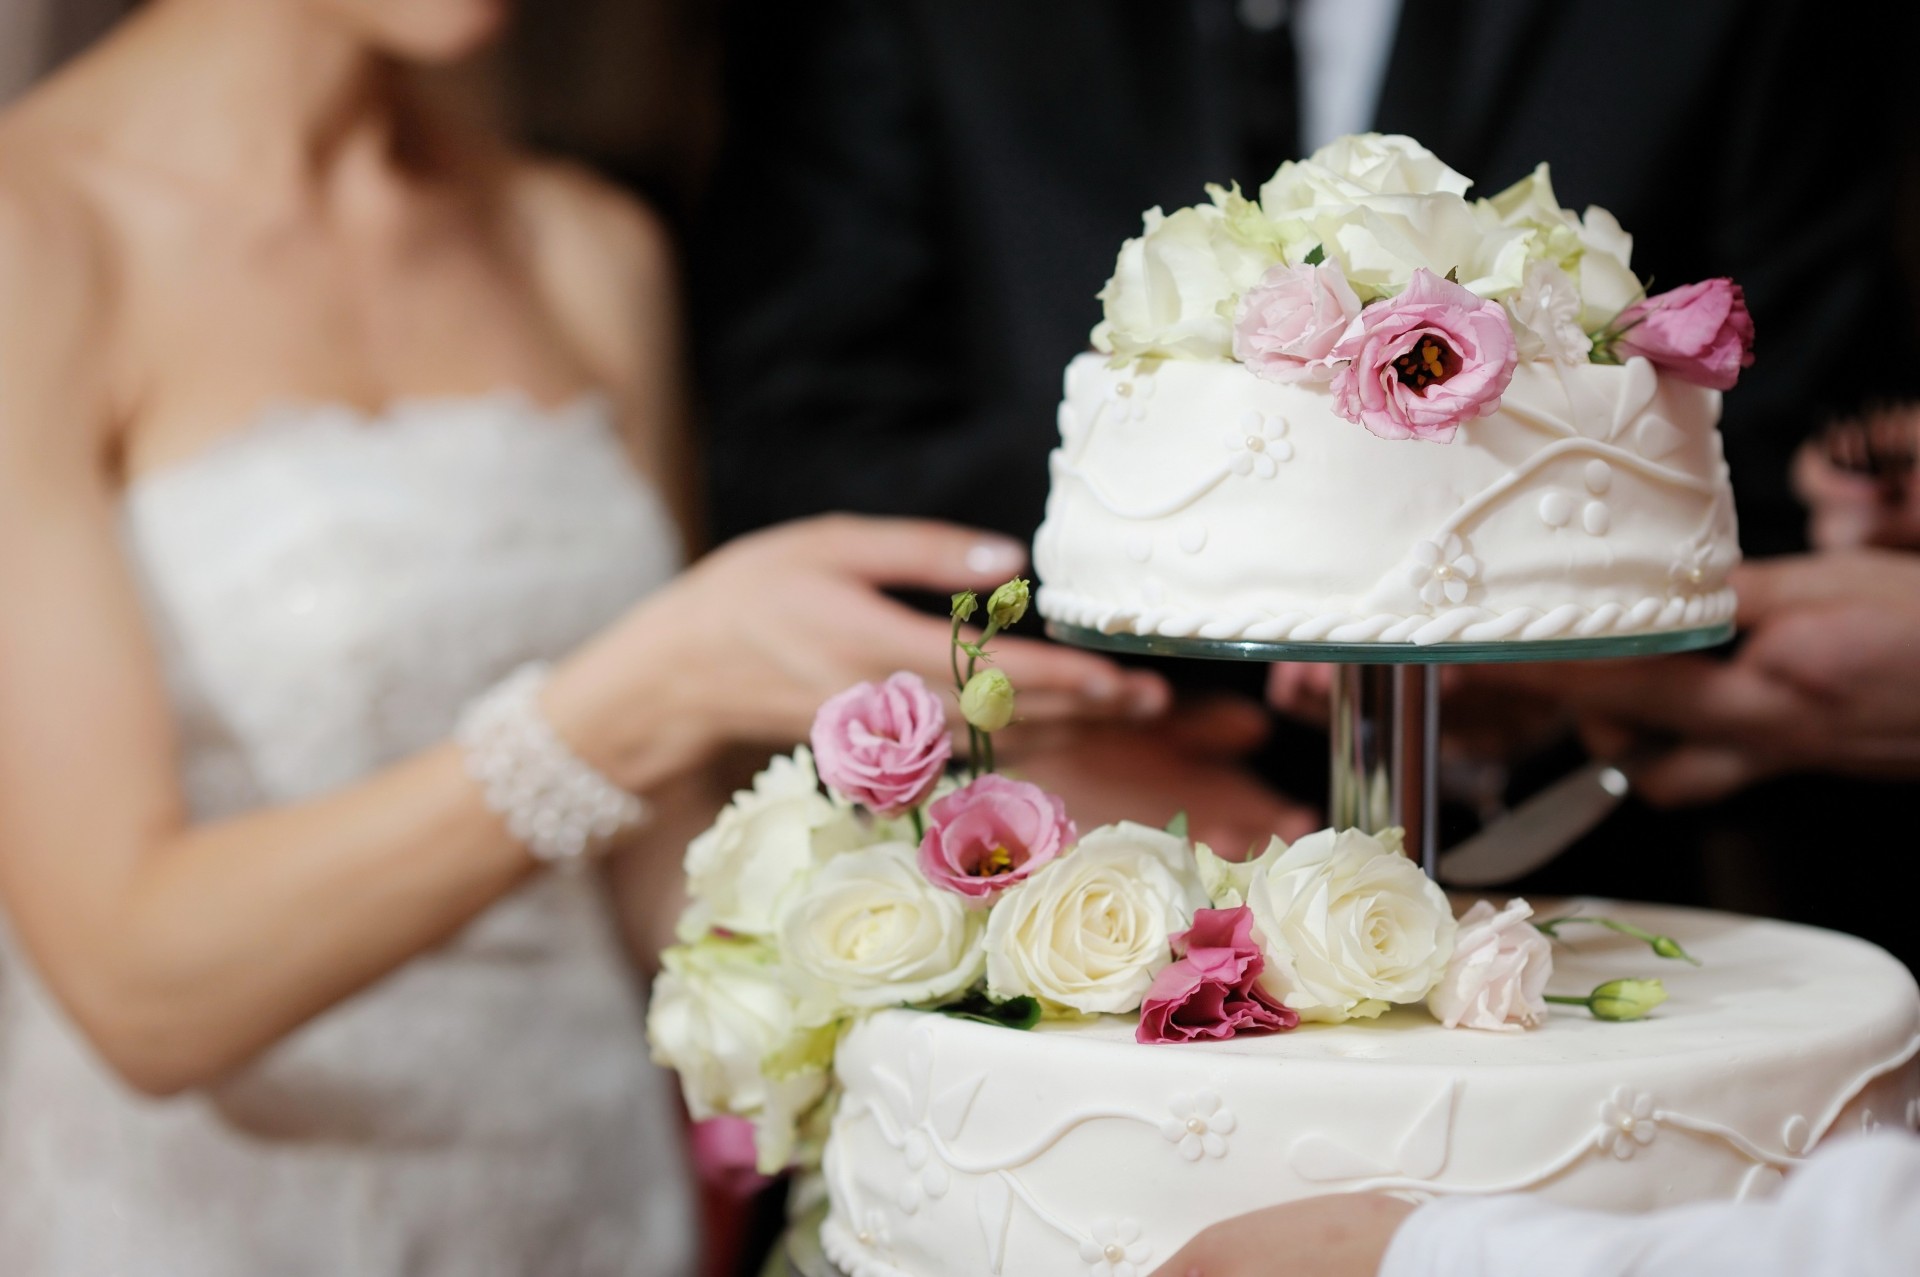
1343 1236
1828 679
1190 761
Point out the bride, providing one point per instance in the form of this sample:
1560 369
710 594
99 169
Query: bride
320 416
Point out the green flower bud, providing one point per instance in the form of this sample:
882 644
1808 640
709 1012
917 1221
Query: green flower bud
1668 947
987 702
1008 604
963 605
1626 999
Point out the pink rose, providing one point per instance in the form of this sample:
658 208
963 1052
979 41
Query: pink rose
1699 332
1497 977
884 745
992 833
1424 362
724 1157
1288 324
1211 989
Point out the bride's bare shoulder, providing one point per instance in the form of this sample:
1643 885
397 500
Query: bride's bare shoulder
55 258
604 259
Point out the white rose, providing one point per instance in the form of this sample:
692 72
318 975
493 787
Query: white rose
1090 930
1497 978
1546 316
764 841
1607 283
725 1018
1361 164
867 930
1173 288
1530 205
1348 925
1384 207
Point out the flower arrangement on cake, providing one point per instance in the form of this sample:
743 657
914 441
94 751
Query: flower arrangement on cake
1367 269
868 872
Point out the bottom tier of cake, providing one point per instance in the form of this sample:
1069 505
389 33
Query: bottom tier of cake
961 1149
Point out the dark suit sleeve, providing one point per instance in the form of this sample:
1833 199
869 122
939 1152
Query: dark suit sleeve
824 321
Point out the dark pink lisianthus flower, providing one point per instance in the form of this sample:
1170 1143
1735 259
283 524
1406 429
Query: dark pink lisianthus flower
1422 363
1211 989
884 745
987 836
1700 333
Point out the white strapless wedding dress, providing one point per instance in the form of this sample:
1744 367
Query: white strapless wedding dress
327 591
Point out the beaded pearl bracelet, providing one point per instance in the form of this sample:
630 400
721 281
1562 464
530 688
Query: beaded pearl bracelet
556 805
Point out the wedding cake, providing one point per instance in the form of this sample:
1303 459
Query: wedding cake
1362 409
1366 409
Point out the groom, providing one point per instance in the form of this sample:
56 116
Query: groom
917 200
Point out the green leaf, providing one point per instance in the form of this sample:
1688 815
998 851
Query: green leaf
1453 275
1178 825
1318 255
1014 1013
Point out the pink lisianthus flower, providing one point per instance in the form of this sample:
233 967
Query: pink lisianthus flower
884 745
1211 990
1287 325
1497 977
1424 362
990 834
1700 333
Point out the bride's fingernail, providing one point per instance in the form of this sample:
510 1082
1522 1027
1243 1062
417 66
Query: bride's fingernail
989 557
1101 687
1148 700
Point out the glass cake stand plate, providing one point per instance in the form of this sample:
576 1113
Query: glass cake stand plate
1504 653
1385 724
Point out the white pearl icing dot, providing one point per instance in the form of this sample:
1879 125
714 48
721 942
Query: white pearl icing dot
1256 444
1556 509
1195 1125
1114 1253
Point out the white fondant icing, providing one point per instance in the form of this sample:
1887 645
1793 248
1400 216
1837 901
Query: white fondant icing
1320 547
1050 1140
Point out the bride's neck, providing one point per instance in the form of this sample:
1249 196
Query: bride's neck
269 95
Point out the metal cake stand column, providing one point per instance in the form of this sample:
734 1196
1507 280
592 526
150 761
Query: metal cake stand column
1385 729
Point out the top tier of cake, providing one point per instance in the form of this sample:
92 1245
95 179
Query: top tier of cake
1194 499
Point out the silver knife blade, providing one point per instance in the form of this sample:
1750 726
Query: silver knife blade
1538 830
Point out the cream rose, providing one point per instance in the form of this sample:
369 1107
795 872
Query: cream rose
1349 926
1384 207
765 840
1497 977
1173 288
867 930
1607 284
1088 932
1546 317
724 1017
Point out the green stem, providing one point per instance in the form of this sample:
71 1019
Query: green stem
953 652
986 739
919 826
1664 946
1568 1002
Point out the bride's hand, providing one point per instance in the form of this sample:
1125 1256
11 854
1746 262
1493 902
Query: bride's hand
1340 1236
746 644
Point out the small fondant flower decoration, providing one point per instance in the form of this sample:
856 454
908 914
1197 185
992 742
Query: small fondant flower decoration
1286 326
1626 1123
884 745
1212 990
1699 332
1114 1249
1424 362
1259 445
990 834
1443 572
1198 1125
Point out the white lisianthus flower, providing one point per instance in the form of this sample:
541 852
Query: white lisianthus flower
1173 288
1546 316
1384 207
725 1018
1349 926
867 930
1497 977
1607 283
1088 932
1530 205
765 840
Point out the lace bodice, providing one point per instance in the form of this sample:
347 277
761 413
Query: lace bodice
326 591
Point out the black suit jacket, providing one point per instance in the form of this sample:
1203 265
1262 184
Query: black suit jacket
918 199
